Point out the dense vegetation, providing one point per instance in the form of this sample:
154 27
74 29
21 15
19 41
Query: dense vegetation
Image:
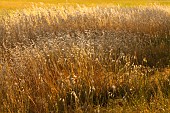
85 59
19 4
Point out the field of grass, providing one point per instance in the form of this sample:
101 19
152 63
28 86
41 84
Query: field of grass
83 59
17 4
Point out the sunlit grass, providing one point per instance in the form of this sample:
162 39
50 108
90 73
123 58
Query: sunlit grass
85 59
19 4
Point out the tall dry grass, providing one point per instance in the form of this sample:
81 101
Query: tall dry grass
85 59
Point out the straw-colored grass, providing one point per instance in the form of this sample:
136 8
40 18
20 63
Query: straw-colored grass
85 59
20 4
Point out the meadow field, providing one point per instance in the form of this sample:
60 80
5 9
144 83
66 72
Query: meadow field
20 4
62 58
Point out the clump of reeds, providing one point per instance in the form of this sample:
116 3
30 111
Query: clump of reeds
85 59
140 31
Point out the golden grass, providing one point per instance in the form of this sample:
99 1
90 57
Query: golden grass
85 59
20 4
